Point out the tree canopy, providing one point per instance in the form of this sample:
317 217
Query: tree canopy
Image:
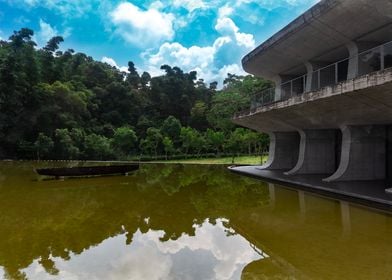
64 105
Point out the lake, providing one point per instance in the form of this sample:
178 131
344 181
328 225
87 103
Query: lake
169 221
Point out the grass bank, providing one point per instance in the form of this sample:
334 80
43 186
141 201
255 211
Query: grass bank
251 160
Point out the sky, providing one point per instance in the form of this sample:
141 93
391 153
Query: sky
209 36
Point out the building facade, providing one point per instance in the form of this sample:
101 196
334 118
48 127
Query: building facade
331 110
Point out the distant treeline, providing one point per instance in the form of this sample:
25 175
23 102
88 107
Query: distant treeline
65 105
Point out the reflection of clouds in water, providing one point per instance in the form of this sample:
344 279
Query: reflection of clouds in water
210 254
230 252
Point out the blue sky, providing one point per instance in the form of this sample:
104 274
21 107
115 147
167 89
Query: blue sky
209 36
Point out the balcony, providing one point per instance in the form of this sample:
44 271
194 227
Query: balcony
372 60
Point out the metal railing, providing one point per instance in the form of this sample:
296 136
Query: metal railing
375 59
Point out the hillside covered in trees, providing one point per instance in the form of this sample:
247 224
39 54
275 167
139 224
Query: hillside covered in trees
65 105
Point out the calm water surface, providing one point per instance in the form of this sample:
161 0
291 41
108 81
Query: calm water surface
182 222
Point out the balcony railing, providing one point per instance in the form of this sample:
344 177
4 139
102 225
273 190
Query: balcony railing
375 59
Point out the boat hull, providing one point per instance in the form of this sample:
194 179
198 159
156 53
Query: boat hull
87 170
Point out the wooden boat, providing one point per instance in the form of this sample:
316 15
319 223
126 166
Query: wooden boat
87 170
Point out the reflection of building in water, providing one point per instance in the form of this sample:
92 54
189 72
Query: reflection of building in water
2 178
309 237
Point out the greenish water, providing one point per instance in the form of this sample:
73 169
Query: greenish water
182 222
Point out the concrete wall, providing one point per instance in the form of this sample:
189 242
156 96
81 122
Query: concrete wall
325 27
363 154
366 100
284 149
316 153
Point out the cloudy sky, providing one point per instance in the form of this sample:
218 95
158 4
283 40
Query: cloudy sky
209 36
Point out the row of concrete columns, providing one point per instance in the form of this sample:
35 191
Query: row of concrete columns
349 154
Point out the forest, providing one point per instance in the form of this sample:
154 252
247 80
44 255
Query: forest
65 105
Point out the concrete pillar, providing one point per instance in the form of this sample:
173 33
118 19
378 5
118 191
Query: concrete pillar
363 154
271 190
316 153
279 80
283 151
309 76
353 60
278 90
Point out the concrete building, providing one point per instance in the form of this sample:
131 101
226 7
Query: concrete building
330 113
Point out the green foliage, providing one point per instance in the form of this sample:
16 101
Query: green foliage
171 128
133 77
224 105
152 141
124 140
192 140
43 146
53 44
64 145
198 115
168 145
64 105
215 140
98 147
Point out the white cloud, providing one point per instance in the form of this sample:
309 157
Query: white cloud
109 61
142 28
157 5
190 5
113 63
225 11
226 26
273 4
188 57
46 32
213 62
69 8
232 69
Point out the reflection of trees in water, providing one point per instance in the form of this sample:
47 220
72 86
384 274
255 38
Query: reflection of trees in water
40 220
2 179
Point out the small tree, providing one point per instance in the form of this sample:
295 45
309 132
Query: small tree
152 141
235 142
168 146
187 136
215 140
124 140
64 145
98 147
43 146
171 127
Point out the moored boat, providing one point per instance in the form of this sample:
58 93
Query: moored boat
87 170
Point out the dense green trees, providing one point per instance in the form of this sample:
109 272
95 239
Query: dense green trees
64 105
124 140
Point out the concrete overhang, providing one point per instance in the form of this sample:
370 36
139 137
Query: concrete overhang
366 100
325 27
